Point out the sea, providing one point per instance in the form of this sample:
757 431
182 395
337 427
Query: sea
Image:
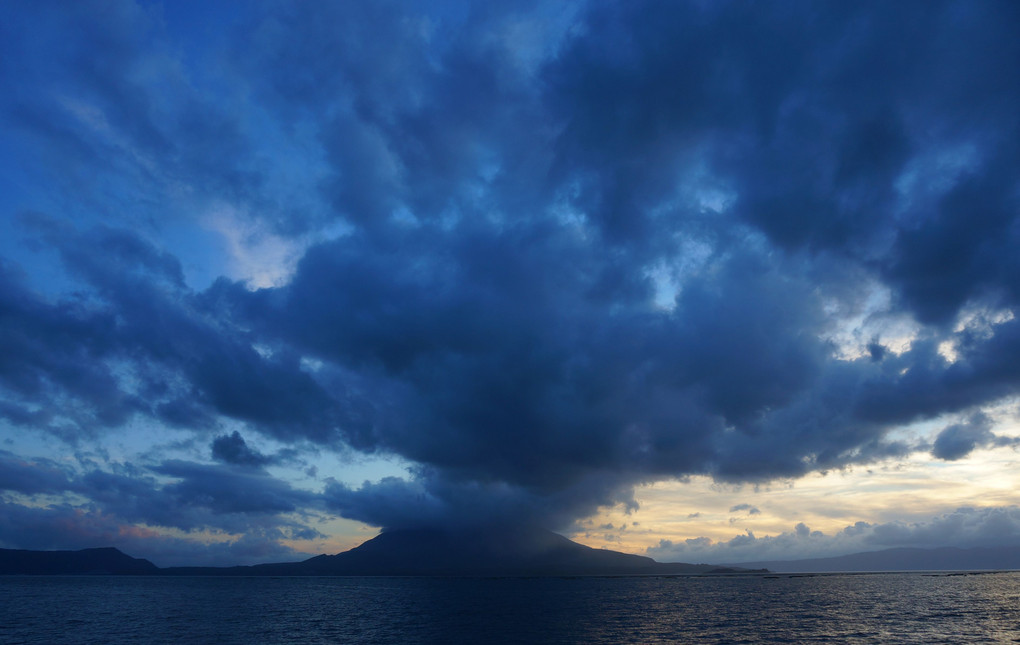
778 608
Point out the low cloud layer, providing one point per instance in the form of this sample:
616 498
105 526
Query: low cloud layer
546 254
964 527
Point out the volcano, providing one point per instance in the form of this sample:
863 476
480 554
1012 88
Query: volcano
501 551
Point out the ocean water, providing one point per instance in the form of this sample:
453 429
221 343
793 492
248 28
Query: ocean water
861 608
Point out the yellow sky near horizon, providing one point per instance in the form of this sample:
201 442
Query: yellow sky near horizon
913 489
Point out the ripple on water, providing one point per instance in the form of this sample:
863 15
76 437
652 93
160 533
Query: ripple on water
902 608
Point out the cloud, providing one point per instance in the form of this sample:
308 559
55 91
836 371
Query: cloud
63 527
145 345
107 98
232 449
525 348
964 527
229 491
433 498
960 439
751 510
174 494
561 270
32 478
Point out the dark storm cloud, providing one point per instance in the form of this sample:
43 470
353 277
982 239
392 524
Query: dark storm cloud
143 344
437 499
814 115
960 439
229 491
109 116
610 251
920 383
511 347
30 478
65 527
233 449
177 494
965 249
49 349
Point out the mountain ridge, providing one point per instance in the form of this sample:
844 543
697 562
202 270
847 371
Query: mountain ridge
502 551
425 552
97 561
513 552
902 559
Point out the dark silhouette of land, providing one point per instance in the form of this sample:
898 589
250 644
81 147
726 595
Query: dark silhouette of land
108 561
500 552
903 559
513 552
480 552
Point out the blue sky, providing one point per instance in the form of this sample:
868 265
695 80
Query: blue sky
708 281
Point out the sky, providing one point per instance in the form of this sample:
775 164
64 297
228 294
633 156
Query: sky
705 281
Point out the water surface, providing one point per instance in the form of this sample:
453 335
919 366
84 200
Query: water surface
876 608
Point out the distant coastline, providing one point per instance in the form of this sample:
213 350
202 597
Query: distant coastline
519 552
531 552
903 559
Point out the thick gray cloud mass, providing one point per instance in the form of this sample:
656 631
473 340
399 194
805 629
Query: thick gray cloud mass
580 249
964 527
181 495
233 449
958 440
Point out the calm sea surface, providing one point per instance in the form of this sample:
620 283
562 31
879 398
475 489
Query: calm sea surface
879 608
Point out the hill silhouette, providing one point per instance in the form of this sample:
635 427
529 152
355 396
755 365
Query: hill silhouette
515 551
101 561
903 559
505 551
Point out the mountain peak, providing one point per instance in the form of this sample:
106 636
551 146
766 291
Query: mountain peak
482 551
